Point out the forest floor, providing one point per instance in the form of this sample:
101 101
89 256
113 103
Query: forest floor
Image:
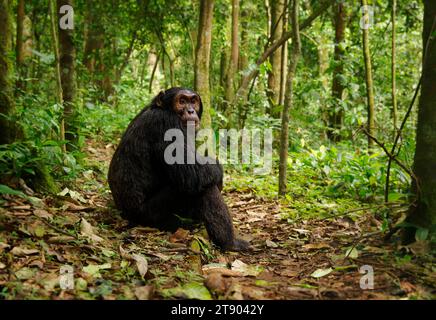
304 259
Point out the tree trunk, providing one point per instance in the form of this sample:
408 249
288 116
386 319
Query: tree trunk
153 71
393 67
336 114
67 63
254 70
234 54
59 94
243 54
19 45
284 56
284 134
7 106
368 78
273 91
423 212
202 58
94 39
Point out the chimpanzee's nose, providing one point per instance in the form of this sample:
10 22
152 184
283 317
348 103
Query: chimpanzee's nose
191 111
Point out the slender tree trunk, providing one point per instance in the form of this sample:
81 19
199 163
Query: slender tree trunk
120 69
67 63
7 105
59 94
284 134
393 67
254 70
223 66
243 54
284 56
336 114
273 91
94 39
153 72
423 212
234 54
368 78
202 58
268 17
19 47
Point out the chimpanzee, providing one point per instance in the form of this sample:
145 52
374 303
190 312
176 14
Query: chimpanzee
151 192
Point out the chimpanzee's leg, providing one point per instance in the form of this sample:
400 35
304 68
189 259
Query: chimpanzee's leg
215 214
159 211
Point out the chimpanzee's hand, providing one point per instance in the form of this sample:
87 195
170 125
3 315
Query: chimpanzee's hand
240 245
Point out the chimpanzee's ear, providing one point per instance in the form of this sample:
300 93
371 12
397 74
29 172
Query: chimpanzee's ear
158 100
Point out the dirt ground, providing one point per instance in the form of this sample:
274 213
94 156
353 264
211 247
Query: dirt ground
307 259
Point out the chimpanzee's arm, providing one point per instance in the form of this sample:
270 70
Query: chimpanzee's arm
187 177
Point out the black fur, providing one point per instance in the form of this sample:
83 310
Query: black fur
150 192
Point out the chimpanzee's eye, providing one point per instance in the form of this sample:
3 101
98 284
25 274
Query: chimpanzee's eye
182 101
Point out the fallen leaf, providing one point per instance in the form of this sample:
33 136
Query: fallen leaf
2 265
21 252
124 254
144 292
75 207
246 269
220 268
215 282
316 246
61 239
43 214
318 273
36 263
289 273
179 236
352 253
141 263
191 290
88 231
25 273
271 244
94 269
3 246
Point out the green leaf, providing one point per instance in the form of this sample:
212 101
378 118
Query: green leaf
6 190
421 234
352 253
192 290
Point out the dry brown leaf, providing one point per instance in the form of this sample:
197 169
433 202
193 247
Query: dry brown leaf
22 252
88 231
124 254
215 282
23 207
61 239
223 271
144 292
316 246
289 273
42 214
3 246
74 207
141 263
179 236
36 263
271 244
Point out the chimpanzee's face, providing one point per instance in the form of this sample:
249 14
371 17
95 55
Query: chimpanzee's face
187 105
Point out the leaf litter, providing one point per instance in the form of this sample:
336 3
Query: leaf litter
301 259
